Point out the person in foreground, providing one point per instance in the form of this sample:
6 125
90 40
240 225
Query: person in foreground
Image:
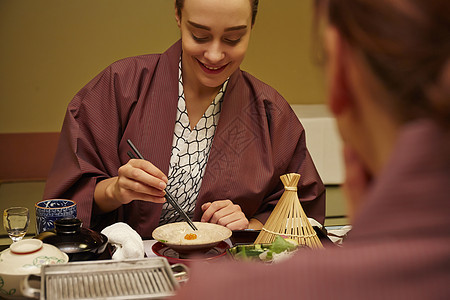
388 70
212 135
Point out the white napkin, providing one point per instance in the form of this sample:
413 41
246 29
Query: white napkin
337 234
314 222
127 241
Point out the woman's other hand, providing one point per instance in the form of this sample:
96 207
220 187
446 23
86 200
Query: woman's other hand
138 179
225 213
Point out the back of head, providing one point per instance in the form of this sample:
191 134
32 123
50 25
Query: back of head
406 43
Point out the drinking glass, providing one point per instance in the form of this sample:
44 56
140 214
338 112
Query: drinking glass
15 221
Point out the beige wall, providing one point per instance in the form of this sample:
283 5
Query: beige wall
49 49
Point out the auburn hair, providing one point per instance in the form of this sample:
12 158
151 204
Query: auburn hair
406 44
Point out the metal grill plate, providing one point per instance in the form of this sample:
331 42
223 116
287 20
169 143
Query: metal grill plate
149 278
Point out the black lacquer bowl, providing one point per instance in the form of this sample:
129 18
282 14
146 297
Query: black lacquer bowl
79 243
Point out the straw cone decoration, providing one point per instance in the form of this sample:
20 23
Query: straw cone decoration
288 218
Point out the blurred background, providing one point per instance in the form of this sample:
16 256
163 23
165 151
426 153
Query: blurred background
50 49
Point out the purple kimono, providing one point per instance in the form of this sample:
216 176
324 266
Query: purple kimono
258 139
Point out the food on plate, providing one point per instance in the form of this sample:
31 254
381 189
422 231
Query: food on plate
181 233
190 236
280 249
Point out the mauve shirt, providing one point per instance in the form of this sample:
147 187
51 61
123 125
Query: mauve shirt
399 247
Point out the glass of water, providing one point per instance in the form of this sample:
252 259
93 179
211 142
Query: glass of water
16 221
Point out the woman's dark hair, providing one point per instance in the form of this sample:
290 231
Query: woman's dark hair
179 5
407 46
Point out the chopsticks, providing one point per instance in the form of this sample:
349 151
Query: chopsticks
169 197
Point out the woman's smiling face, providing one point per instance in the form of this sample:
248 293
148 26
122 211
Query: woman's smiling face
215 36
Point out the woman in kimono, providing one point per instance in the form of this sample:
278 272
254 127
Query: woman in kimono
213 136
388 69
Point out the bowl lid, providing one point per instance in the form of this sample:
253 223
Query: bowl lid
27 257
71 238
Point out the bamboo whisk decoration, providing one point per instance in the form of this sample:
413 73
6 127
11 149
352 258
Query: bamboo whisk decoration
288 218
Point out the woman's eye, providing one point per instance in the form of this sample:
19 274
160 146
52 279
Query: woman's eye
199 39
232 41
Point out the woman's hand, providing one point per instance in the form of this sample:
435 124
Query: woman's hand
138 179
225 213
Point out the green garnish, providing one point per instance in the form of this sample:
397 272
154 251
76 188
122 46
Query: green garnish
264 252
280 245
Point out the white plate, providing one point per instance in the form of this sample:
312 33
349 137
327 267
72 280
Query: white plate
208 236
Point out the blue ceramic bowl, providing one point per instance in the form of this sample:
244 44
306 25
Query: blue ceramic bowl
47 211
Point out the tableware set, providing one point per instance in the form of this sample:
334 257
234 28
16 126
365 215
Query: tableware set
61 240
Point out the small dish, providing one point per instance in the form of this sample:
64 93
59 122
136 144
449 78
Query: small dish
180 237
173 257
245 236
